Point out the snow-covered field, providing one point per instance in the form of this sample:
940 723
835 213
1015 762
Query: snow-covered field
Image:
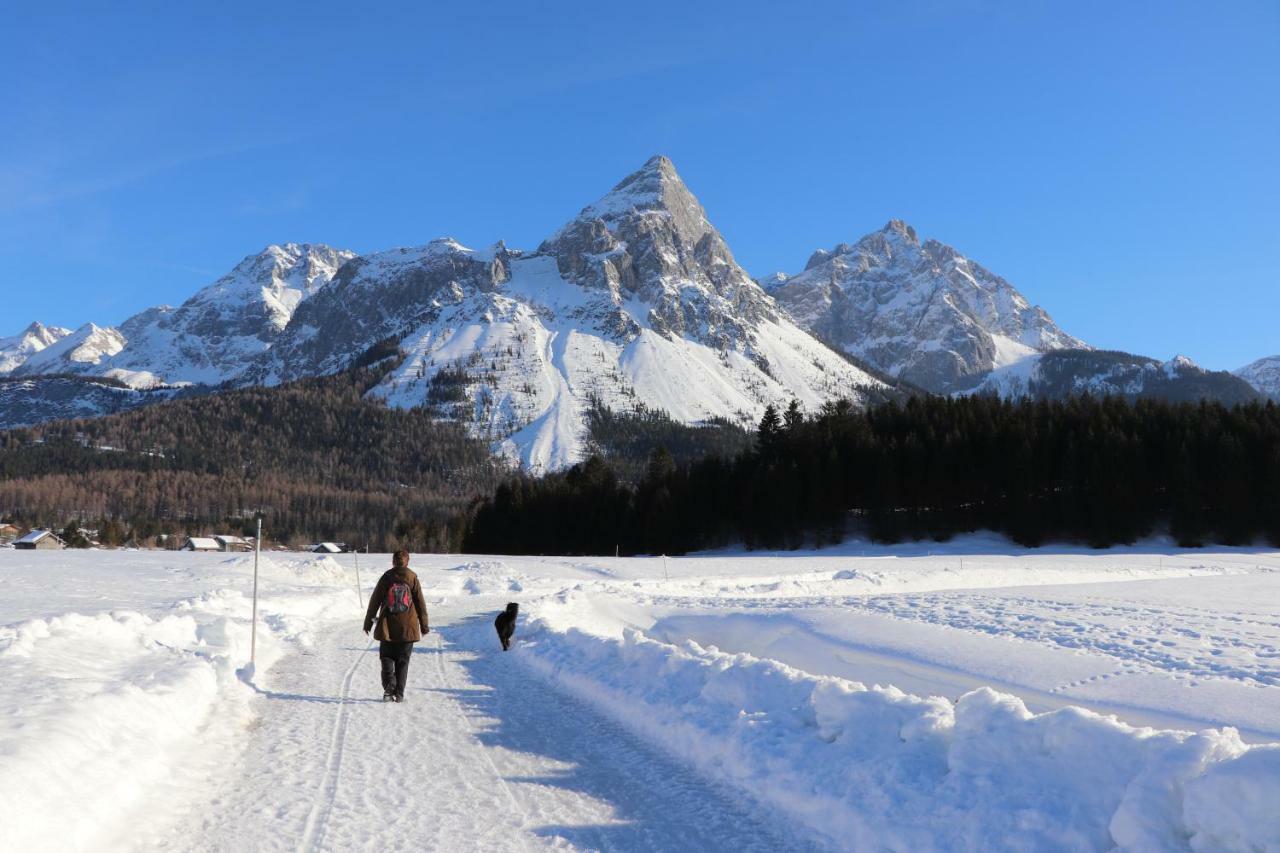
962 697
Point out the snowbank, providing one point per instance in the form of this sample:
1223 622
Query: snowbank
876 768
107 710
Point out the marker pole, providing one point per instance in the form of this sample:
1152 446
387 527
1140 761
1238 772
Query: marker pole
359 589
253 630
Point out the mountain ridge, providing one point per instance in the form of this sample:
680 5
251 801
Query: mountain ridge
637 301
921 311
1264 375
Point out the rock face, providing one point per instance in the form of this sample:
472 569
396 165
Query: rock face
214 334
919 311
1264 375
15 350
1059 374
635 300
375 297
208 339
649 240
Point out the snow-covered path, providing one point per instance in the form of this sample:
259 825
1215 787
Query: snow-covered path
482 755
854 698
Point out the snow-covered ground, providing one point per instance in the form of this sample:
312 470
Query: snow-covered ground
968 696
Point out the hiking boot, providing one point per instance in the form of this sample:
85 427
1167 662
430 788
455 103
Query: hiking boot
388 696
397 698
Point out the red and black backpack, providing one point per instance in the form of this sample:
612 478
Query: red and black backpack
399 598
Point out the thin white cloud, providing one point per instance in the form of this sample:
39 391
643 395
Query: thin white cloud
31 185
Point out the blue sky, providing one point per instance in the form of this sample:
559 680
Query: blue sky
1116 161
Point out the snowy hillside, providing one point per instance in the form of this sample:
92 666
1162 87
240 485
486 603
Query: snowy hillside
1056 375
635 300
214 334
37 399
967 696
918 311
1264 375
18 348
206 340
85 350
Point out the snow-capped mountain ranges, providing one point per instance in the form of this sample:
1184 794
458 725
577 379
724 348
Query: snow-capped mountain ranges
1264 375
919 311
635 300
18 348
212 336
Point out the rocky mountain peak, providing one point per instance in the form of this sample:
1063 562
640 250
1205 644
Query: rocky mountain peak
15 350
900 229
649 239
87 347
1264 375
895 238
920 311
653 192
45 335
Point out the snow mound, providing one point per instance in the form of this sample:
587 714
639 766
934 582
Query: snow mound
877 768
104 710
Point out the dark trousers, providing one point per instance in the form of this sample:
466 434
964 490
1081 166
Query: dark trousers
395 665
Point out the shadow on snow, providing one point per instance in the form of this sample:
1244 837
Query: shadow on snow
657 803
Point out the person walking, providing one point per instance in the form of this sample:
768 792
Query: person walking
401 614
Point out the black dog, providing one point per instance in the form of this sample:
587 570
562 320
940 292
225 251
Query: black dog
506 624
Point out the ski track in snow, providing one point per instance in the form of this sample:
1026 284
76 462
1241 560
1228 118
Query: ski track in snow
1188 641
483 755
313 833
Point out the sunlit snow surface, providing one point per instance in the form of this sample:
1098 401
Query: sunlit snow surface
967 696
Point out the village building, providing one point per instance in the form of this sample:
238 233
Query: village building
9 532
233 543
40 540
200 543
329 548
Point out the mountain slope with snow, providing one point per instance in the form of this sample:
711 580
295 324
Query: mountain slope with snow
214 334
25 401
919 311
635 300
16 349
1264 375
83 351
1057 375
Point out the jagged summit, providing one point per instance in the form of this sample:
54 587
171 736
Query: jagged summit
1264 375
85 349
649 241
15 350
919 311
895 237
901 229
284 273
653 192
212 336
635 300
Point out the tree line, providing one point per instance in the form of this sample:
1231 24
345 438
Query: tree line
1098 471
315 458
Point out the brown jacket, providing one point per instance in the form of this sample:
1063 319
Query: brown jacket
406 627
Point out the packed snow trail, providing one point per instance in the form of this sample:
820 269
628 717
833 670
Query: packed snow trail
482 755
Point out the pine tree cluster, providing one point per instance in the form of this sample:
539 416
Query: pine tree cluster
1089 470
